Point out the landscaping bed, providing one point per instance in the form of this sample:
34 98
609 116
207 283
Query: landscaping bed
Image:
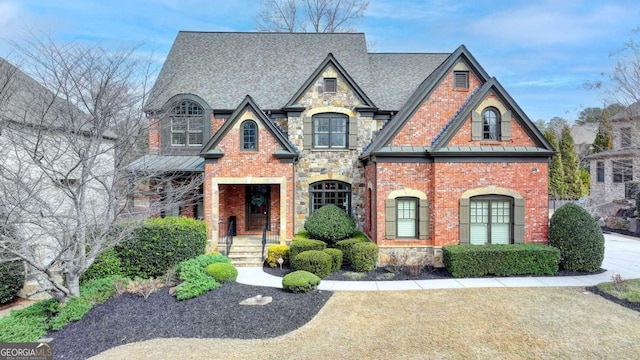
216 314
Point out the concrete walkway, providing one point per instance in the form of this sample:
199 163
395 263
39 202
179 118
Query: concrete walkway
621 256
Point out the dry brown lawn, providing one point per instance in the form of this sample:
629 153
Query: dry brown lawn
505 323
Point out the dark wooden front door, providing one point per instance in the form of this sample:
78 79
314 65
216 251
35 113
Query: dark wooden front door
257 206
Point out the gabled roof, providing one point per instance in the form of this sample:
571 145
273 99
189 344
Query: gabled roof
210 150
491 86
330 60
420 95
222 67
630 112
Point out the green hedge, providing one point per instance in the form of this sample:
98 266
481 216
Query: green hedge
314 261
330 224
300 281
303 245
500 260
336 258
364 256
576 233
346 246
11 279
106 264
160 244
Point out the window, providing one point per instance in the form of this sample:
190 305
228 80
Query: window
625 137
407 217
187 124
460 79
330 85
330 131
600 171
622 171
249 137
490 220
490 124
330 192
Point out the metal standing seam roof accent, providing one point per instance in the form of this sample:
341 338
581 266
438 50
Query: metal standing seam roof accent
177 163
223 67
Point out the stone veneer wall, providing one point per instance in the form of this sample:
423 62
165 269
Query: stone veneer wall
333 164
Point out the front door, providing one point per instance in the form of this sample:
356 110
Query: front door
257 207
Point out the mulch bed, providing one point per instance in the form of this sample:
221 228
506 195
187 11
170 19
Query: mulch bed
217 314
622 302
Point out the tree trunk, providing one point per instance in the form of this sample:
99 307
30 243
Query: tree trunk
73 284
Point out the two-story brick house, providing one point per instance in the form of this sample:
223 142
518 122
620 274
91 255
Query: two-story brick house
422 150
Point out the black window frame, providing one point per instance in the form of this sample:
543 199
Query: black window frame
244 136
461 79
486 126
331 117
186 121
328 190
600 171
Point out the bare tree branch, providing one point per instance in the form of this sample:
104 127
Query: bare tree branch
69 129
321 16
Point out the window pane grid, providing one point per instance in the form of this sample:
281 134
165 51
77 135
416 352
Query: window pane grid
622 171
330 132
330 192
490 221
187 124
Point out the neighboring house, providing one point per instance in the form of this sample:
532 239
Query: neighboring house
39 174
423 150
615 173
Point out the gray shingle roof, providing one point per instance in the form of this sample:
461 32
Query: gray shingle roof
222 68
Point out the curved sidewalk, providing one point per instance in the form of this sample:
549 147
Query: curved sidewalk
621 256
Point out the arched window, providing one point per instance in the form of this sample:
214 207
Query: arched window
491 124
187 124
249 136
330 131
491 220
330 192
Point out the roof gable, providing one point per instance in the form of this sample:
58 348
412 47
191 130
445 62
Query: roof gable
210 150
330 61
441 141
423 91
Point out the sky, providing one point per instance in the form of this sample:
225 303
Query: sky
542 52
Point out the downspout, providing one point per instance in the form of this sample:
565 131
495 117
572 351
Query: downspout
293 196
374 198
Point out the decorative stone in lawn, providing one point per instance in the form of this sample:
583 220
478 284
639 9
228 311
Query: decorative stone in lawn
257 300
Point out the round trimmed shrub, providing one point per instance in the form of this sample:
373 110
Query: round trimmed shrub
274 252
106 264
329 224
336 258
222 272
11 280
314 261
346 246
576 233
365 255
300 246
300 281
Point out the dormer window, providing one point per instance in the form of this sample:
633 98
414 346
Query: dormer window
460 79
330 85
490 124
187 124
